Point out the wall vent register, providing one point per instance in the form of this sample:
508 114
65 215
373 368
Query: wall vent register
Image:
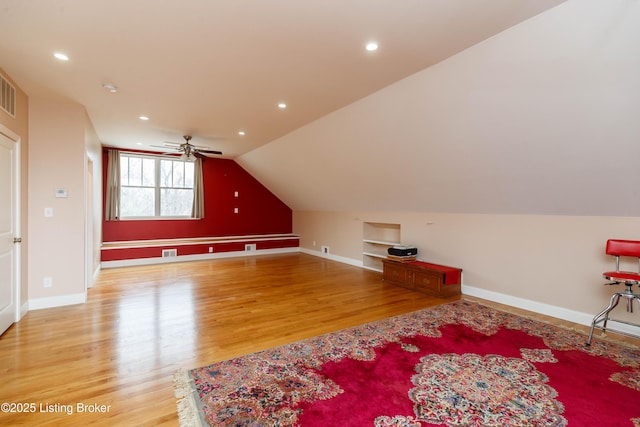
167 253
7 96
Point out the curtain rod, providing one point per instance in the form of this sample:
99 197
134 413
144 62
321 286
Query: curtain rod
146 153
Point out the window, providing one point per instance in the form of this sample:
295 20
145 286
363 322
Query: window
154 186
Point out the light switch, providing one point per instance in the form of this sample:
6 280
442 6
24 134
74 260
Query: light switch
48 212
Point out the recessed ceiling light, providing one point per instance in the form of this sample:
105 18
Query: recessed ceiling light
143 118
110 87
138 143
241 133
61 56
371 46
282 105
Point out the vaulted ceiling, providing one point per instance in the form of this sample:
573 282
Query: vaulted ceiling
214 68
493 106
541 119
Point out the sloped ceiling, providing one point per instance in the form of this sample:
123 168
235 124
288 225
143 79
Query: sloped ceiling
499 106
543 118
212 68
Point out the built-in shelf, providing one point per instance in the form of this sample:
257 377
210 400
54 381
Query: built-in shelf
379 242
376 239
374 255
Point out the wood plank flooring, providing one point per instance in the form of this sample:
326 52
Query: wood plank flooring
117 353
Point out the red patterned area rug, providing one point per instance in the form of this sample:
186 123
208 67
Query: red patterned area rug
458 364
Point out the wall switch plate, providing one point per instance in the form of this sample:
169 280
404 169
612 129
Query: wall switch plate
48 212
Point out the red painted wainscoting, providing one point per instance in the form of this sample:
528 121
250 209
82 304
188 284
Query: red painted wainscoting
153 249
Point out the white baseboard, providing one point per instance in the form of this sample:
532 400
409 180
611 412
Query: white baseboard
196 257
24 308
59 301
547 309
94 277
345 260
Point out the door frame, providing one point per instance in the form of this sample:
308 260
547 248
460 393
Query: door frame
17 219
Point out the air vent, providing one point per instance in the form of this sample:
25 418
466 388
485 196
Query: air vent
7 96
167 253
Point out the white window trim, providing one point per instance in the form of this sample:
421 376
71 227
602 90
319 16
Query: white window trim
157 188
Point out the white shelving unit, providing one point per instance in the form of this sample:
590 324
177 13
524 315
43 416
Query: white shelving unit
376 239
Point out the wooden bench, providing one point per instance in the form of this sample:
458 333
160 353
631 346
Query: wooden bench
433 279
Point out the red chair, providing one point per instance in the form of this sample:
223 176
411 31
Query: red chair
619 248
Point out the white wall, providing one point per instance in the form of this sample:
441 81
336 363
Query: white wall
521 150
93 198
540 119
546 263
56 161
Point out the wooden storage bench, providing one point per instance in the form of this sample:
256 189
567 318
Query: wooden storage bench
432 279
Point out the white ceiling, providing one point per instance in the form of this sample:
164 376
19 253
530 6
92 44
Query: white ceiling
539 119
211 68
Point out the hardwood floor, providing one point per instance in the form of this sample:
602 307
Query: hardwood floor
113 358
117 353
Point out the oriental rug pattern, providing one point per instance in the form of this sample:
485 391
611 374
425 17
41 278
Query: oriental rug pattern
458 364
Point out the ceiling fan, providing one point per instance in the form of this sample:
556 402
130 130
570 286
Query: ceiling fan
189 150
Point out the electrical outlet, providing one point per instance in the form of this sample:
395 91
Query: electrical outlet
47 282
210 249
325 249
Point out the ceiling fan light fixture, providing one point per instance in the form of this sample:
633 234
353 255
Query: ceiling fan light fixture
189 152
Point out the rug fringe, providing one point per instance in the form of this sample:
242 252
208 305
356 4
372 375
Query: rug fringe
188 413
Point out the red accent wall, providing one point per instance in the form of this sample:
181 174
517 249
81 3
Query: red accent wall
259 210
194 249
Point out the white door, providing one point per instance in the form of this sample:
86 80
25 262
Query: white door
8 225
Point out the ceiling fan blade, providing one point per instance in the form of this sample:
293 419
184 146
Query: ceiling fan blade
210 152
171 151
